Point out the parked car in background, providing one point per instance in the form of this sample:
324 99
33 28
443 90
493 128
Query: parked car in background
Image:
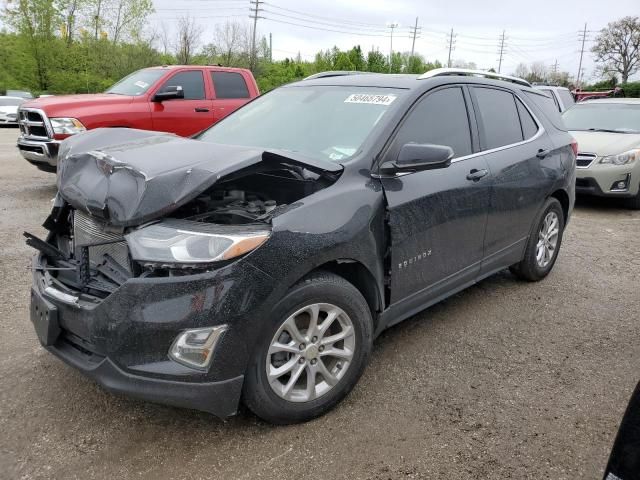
9 110
177 99
18 93
561 96
608 133
260 258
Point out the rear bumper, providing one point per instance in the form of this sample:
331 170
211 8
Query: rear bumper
42 154
219 398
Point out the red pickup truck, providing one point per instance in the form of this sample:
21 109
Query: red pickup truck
178 99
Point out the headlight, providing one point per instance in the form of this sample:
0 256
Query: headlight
194 348
185 242
66 126
622 158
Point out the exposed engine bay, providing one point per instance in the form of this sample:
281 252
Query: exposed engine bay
86 255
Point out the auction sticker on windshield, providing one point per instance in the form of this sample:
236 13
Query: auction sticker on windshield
370 98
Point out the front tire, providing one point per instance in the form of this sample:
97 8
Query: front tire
314 350
544 243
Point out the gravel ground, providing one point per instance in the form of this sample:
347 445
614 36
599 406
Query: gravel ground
504 380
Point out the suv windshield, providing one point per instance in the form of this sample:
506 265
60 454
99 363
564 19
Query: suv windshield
321 122
613 117
137 83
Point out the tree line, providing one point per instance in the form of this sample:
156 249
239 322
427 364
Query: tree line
84 46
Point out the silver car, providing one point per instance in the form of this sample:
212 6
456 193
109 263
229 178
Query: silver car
608 135
9 110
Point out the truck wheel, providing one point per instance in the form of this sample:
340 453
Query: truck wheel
315 348
544 243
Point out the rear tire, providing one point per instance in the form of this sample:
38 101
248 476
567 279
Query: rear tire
544 243
312 353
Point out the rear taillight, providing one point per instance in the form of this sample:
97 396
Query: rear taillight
574 147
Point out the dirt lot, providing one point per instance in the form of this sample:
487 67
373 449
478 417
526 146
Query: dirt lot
505 380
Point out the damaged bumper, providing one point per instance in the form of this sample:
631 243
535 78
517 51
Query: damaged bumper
123 341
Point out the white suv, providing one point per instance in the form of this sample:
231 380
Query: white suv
561 96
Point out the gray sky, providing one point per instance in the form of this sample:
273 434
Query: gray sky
542 30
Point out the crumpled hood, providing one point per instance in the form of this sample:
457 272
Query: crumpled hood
128 177
604 143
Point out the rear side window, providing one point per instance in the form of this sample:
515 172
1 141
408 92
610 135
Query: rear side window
529 126
440 118
548 108
192 83
500 120
229 85
567 98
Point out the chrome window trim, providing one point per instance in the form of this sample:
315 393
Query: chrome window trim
45 120
538 134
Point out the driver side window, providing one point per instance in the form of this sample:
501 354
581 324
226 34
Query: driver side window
439 118
192 83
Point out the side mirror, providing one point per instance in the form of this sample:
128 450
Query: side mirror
169 93
415 157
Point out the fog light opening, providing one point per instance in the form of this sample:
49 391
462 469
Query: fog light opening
621 185
195 347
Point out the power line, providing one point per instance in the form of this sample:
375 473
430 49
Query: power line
318 22
314 16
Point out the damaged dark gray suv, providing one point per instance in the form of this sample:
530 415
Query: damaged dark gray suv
259 260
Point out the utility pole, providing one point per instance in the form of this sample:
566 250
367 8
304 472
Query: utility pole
270 48
254 9
583 37
502 39
415 32
451 43
391 25
554 72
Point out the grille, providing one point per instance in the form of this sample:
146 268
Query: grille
89 232
32 124
584 160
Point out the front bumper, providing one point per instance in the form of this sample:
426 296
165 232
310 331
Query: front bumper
599 180
43 154
123 341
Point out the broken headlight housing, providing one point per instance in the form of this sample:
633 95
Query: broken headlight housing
186 243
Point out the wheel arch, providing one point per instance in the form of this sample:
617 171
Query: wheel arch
563 198
360 277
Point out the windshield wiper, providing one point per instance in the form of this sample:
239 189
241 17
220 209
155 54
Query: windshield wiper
608 130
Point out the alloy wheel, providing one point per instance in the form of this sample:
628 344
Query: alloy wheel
547 239
310 352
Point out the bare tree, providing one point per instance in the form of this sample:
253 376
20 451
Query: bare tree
128 17
537 72
617 47
228 38
521 71
189 33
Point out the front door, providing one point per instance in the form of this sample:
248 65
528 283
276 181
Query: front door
437 218
188 115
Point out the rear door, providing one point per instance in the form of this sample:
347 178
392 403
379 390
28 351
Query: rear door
524 167
188 115
231 92
437 217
